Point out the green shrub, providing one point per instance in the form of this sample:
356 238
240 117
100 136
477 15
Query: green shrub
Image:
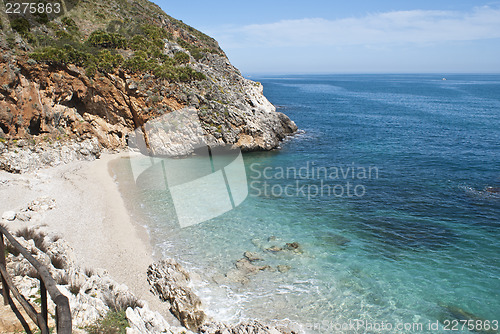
96 54
181 58
70 24
108 62
63 34
112 323
90 70
21 25
195 51
137 63
139 42
65 55
41 18
103 39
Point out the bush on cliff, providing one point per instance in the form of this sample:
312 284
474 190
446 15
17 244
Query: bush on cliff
97 54
21 25
106 40
181 58
112 323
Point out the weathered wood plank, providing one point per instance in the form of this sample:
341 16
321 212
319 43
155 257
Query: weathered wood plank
48 284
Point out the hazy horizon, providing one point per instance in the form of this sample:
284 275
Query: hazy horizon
357 37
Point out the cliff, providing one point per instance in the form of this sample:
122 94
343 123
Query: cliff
102 69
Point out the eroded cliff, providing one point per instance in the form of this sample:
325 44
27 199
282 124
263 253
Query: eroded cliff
103 69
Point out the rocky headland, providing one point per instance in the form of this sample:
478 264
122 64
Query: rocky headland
87 77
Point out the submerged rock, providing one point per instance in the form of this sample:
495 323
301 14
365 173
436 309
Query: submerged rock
336 239
282 268
252 257
274 249
294 246
244 269
245 327
169 281
248 268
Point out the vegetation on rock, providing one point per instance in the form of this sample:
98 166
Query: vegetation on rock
100 52
112 323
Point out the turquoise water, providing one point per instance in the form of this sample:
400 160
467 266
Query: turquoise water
415 241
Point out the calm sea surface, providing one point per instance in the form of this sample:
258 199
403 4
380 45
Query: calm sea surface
384 191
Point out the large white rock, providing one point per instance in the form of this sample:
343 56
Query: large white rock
144 321
9 215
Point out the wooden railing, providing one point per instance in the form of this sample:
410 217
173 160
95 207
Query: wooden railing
47 284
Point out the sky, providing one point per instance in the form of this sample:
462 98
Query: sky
350 36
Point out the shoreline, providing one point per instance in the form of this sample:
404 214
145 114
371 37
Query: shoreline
91 215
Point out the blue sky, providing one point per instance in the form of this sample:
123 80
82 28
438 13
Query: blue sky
353 36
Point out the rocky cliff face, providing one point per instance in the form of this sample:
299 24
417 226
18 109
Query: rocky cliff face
57 99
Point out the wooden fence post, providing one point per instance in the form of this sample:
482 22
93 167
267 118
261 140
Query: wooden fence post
43 298
5 287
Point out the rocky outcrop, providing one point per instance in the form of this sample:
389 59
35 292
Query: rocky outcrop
24 156
246 327
56 100
41 101
169 281
91 293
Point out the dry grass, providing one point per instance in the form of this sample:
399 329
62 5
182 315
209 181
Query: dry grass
58 261
117 304
75 288
89 272
37 237
62 279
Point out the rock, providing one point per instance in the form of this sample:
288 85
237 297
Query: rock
237 276
244 269
31 158
62 250
245 327
252 257
144 321
42 204
283 268
64 104
274 249
23 216
293 245
9 215
169 281
247 267
272 238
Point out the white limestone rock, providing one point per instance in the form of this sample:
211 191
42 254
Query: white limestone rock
9 215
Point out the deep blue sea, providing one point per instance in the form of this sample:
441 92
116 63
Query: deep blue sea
384 188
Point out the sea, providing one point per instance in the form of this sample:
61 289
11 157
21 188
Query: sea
388 198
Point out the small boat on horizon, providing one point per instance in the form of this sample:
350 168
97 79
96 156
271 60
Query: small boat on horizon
444 79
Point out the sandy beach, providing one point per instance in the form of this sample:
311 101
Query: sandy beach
90 215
